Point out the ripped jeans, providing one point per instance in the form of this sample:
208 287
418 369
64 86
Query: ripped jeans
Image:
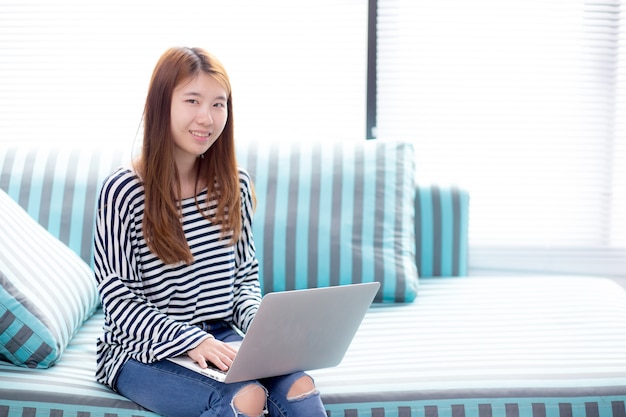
172 390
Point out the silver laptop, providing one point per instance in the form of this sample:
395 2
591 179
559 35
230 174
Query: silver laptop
298 330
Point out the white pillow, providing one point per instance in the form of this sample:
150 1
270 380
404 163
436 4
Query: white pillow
46 290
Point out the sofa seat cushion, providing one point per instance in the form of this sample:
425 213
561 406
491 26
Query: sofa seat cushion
524 347
46 290
333 214
69 387
488 346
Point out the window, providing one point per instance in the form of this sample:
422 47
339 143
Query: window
523 103
516 101
74 71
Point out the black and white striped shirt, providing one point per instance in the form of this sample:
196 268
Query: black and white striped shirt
151 308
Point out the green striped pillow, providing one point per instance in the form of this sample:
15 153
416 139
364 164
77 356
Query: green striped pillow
58 186
46 290
333 214
442 215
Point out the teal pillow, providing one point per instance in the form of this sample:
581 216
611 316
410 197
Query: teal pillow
334 214
46 290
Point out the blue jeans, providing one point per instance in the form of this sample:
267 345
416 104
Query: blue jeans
172 390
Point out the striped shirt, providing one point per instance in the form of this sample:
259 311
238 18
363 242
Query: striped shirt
151 308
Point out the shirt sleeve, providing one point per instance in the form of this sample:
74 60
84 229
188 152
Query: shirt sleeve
247 290
131 321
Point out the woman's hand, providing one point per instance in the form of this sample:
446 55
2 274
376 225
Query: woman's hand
212 350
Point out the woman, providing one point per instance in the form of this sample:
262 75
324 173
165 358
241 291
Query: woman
175 260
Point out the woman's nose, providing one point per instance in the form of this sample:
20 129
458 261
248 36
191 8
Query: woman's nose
205 117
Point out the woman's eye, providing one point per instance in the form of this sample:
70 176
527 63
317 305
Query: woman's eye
192 101
221 105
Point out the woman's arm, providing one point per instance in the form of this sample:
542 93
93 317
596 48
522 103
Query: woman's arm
132 321
247 289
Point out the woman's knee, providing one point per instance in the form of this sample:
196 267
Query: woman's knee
302 388
250 400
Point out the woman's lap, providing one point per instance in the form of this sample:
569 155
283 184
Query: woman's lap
172 390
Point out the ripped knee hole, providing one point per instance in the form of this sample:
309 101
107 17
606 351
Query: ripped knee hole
250 400
302 388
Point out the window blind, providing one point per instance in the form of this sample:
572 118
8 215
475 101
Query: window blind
516 101
618 213
74 71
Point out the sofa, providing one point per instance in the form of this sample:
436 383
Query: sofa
437 341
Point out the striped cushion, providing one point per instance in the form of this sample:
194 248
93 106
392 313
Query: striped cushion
332 214
58 186
441 225
47 290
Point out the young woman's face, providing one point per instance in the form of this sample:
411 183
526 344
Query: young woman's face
198 115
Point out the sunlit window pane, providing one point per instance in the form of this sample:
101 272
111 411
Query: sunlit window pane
514 101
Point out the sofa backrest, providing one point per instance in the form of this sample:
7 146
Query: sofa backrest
58 187
310 197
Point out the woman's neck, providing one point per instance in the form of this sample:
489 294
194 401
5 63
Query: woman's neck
188 177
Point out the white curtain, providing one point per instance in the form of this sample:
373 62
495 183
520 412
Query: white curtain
73 71
519 102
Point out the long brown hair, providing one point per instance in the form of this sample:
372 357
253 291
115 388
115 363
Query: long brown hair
162 227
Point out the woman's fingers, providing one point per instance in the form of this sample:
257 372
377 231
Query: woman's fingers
218 353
